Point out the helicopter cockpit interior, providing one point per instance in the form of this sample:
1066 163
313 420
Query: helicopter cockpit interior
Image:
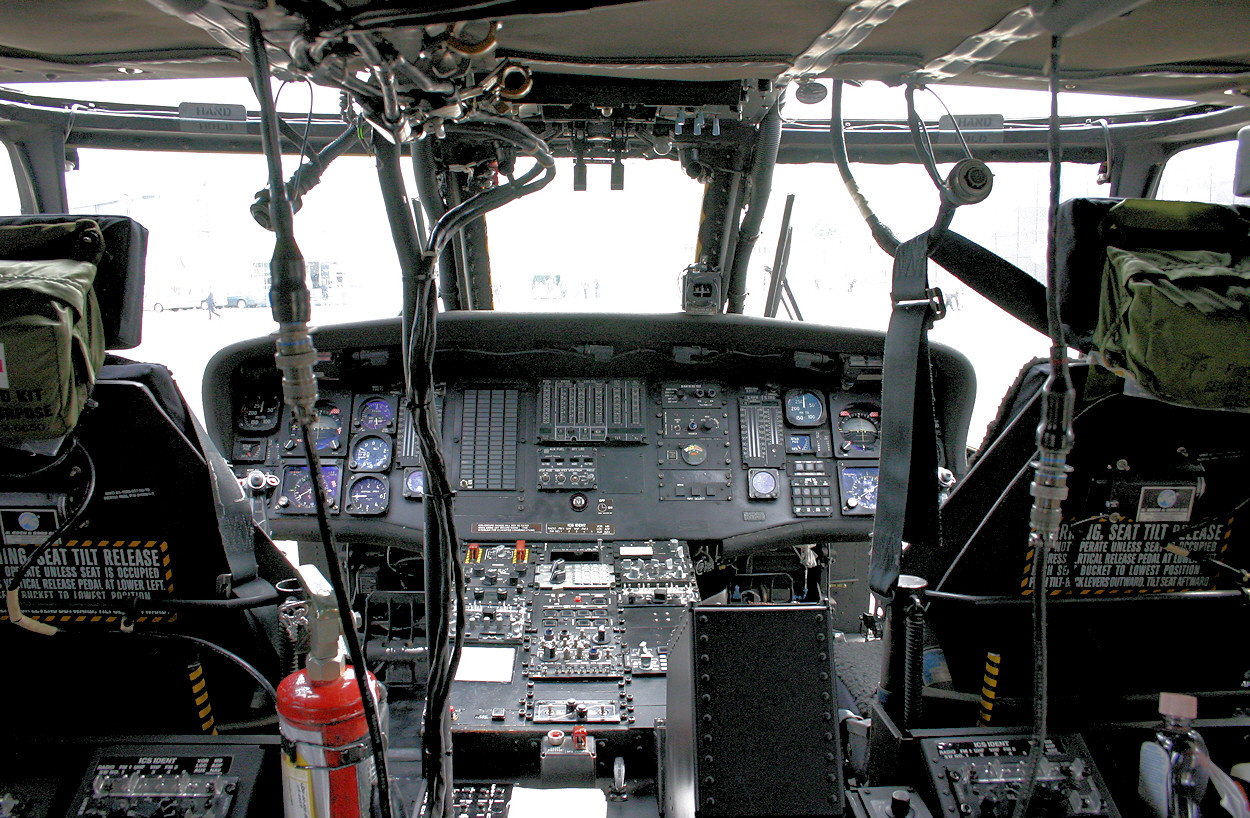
364 456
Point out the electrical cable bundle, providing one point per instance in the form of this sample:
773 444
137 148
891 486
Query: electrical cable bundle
1054 441
295 357
445 582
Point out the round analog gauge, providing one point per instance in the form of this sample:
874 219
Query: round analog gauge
693 454
327 428
259 413
297 487
371 453
376 413
368 495
859 488
804 408
414 483
859 425
764 483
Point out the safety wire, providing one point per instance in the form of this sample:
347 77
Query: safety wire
954 123
920 137
444 592
295 357
1054 441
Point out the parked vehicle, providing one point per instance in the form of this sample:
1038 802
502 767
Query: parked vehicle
236 301
174 301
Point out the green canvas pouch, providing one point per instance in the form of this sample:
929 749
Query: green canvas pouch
51 346
1179 322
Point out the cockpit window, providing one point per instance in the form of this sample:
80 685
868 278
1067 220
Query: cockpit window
203 241
597 250
840 277
1202 174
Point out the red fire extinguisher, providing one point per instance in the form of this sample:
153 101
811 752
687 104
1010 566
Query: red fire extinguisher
327 763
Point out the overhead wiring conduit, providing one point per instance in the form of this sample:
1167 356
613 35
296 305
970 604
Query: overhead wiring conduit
433 205
444 580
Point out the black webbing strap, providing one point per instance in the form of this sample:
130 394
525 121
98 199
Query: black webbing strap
249 552
908 437
1010 288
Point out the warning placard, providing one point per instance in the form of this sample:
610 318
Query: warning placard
91 574
1130 557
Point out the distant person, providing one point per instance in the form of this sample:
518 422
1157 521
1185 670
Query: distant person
212 306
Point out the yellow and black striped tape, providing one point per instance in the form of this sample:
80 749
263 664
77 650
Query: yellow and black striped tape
989 688
199 690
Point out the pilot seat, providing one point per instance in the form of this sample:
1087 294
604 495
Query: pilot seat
1142 594
159 588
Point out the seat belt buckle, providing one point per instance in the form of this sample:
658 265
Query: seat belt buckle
934 302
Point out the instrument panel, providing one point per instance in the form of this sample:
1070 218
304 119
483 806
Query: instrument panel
702 443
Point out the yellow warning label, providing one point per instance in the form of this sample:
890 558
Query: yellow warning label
1098 556
297 790
77 576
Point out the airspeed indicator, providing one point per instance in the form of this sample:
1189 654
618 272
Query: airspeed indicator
259 413
804 408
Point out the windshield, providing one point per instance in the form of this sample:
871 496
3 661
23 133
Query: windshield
597 250
562 250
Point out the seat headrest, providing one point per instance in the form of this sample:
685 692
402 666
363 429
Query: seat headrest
119 274
1084 231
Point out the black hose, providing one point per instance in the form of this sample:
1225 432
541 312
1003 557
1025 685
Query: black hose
409 243
355 652
444 579
1054 441
291 306
305 178
766 147
882 235
431 199
247 667
238 603
288 295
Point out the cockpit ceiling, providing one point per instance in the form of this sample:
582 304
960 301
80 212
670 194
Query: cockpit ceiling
1184 49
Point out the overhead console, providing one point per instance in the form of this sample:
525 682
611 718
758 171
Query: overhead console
745 431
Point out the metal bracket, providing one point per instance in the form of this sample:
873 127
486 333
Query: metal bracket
935 302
